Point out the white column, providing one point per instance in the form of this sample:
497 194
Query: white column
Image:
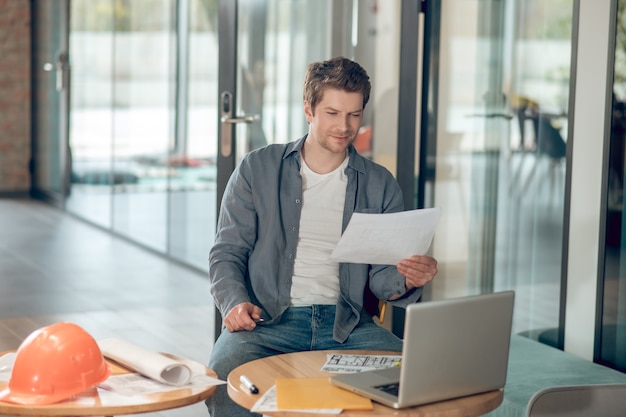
586 175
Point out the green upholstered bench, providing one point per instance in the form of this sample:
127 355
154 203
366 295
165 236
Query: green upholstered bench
534 365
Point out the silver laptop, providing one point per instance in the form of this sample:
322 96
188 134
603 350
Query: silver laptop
452 348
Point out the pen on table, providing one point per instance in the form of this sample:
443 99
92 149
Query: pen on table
246 381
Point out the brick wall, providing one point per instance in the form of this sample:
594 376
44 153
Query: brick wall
15 142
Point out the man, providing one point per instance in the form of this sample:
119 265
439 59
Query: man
283 211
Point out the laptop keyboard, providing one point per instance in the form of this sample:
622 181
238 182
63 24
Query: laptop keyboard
389 388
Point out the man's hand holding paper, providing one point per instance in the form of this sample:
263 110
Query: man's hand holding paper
418 270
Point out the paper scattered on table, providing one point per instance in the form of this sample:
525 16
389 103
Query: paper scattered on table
335 363
267 403
343 363
6 365
136 384
387 238
146 362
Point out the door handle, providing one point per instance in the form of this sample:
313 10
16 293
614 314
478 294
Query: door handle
62 71
244 119
61 67
228 121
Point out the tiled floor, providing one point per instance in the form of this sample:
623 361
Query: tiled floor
54 268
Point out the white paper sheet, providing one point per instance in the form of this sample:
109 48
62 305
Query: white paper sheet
146 362
136 384
386 239
6 365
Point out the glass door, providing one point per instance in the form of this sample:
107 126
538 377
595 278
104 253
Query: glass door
51 76
265 47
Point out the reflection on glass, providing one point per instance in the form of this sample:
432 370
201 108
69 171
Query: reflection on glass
500 154
613 339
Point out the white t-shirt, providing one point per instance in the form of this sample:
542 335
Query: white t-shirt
316 276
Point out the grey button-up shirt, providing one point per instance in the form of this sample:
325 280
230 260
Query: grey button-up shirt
252 259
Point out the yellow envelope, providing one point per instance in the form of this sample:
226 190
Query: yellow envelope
303 393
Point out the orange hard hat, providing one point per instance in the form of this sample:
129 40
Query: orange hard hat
53 364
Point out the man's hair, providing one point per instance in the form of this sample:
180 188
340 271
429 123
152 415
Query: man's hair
339 73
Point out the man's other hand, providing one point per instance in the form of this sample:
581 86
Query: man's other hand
242 317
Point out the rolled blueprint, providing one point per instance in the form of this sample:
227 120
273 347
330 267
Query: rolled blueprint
148 363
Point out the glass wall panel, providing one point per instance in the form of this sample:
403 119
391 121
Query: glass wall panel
529 256
501 121
91 114
613 339
193 192
143 119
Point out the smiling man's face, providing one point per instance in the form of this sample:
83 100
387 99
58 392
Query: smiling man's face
335 121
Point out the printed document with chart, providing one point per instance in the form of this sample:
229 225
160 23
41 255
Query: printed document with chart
387 238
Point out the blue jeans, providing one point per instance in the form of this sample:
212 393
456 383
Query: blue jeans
300 329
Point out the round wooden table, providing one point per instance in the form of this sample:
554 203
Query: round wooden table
263 372
100 402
